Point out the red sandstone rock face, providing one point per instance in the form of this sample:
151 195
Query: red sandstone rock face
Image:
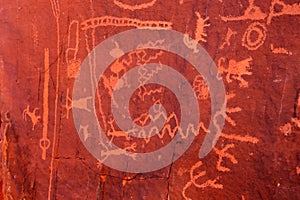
255 45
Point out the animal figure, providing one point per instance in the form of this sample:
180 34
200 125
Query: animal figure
200 34
32 115
235 70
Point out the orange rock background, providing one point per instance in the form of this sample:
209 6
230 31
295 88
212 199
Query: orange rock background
255 45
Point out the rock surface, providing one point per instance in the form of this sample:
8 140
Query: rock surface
255 45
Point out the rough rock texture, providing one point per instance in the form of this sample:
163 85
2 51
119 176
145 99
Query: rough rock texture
255 45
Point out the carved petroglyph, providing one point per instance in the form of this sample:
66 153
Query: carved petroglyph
56 12
143 92
114 133
232 110
82 103
246 138
158 112
235 70
200 33
55 8
119 68
146 74
6 123
149 44
200 88
44 141
35 36
90 41
280 50
116 52
251 13
168 129
223 154
44 145
136 6
249 42
286 129
283 9
143 57
84 130
190 43
193 181
118 151
109 83
124 22
253 38
68 105
258 29
230 33
32 116
73 63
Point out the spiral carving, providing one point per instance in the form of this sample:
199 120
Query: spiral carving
104 55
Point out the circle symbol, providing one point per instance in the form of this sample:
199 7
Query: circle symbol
261 31
129 41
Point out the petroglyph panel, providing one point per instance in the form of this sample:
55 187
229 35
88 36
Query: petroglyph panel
254 46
